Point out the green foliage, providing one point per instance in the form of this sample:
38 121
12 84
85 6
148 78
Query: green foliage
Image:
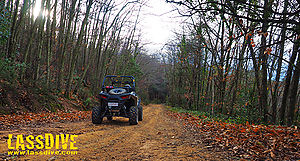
182 74
8 69
130 68
87 102
4 23
133 69
218 117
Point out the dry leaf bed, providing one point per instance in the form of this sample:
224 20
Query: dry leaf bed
25 118
255 142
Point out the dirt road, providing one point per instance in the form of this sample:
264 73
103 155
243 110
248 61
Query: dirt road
157 137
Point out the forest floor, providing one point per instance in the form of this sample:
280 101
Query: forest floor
162 135
157 137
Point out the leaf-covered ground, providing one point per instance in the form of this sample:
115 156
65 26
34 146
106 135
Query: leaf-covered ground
239 141
25 118
244 141
18 97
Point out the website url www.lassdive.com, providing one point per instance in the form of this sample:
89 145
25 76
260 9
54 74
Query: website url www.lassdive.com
47 152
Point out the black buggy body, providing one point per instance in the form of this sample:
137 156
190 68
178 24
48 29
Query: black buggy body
118 98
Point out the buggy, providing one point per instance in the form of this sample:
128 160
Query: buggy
118 99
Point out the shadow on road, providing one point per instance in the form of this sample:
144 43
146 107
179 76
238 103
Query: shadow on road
116 121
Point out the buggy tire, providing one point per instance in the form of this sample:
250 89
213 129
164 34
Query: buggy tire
97 115
133 118
109 118
140 113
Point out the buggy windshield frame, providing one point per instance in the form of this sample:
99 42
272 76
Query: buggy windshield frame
113 79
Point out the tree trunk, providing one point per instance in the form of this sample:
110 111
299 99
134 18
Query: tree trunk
278 72
77 47
40 44
49 54
11 40
294 89
28 46
61 44
287 83
264 59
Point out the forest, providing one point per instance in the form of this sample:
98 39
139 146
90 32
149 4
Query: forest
236 60
65 48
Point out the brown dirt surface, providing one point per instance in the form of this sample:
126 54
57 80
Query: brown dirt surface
157 137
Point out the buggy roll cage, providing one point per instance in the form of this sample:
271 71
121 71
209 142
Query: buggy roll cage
123 76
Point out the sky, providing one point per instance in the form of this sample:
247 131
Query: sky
158 22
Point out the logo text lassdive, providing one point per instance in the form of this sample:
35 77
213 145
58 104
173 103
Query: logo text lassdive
47 141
